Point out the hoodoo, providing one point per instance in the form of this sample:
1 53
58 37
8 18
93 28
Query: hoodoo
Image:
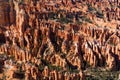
59 39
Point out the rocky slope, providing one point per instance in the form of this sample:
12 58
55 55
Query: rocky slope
59 39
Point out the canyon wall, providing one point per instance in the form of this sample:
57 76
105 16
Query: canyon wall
59 40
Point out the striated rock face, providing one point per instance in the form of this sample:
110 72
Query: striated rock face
59 39
4 12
